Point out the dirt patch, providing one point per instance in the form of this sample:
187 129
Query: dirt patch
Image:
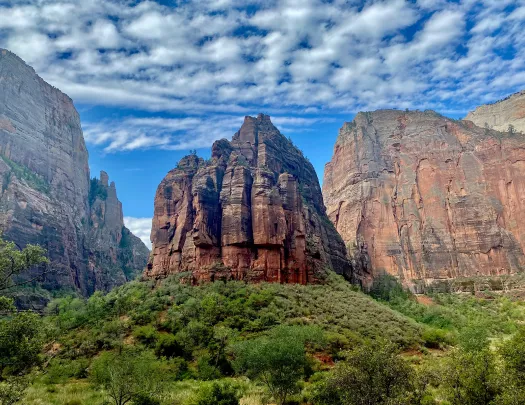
424 299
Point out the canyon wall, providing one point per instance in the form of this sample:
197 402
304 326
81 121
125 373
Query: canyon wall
424 197
46 195
501 114
253 212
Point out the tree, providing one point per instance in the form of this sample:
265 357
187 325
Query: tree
512 353
388 288
21 339
14 261
278 360
127 375
470 376
511 130
373 374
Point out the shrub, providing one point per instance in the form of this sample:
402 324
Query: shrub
218 394
145 399
434 338
167 346
371 375
146 335
59 370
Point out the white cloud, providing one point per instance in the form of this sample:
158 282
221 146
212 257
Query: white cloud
178 133
290 56
140 227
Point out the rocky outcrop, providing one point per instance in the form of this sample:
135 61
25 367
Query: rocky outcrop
424 197
499 115
45 187
253 212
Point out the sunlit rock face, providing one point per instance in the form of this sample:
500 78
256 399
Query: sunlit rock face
46 196
253 212
424 197
499 115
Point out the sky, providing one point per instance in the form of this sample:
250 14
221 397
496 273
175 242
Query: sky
153 80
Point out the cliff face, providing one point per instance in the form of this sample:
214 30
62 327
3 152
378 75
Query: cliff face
501 114
253 212
45 193
423 197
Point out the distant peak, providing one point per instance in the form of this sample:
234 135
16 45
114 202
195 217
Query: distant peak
104 178
263 117
259 119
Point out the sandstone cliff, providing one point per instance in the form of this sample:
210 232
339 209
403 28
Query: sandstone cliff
499 115
253 212
424 197
45 187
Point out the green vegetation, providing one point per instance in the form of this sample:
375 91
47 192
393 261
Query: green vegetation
97 190
278 359
32 179
372 374
14 262
229 343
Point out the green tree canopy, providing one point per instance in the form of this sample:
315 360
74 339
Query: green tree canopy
14 261
127 375
372 374
278 360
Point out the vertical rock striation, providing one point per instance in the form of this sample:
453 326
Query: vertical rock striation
253 212
45 194
424 197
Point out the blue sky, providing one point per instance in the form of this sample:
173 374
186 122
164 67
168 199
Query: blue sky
153 80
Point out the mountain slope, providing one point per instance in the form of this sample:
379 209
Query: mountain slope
501 114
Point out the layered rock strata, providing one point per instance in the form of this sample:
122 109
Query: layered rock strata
253 212
46 196
424 197
502 114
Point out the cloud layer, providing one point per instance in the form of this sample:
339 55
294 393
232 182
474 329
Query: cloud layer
209 60
140 227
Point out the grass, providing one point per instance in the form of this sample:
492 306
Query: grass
74 392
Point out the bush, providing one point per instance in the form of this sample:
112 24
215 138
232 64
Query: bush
371 375
145 399
167 346
60 370
147 335
434 338
219 394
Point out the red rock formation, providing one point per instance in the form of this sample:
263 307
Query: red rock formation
424 197
253 212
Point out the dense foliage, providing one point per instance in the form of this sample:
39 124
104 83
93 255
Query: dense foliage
172 343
